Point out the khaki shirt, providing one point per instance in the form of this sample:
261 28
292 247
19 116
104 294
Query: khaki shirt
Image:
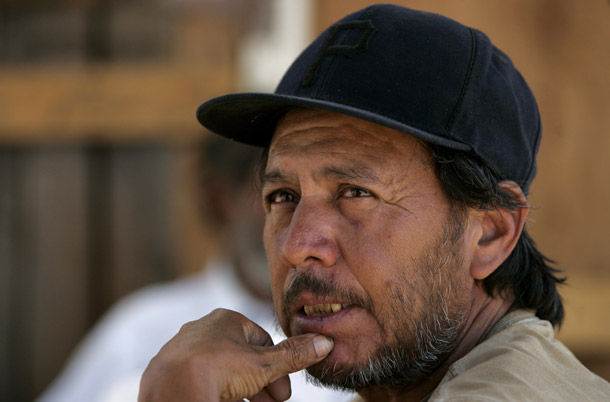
520 360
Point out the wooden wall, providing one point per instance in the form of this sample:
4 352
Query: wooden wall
98 148
82 226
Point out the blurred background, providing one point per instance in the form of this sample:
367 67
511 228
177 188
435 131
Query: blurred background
98 142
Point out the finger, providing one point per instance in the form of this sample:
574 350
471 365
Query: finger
294 354
280 389
255 335
264 396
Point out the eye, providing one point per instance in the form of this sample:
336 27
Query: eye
281 197
355 192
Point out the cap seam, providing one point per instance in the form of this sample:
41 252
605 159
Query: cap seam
531 172
459 103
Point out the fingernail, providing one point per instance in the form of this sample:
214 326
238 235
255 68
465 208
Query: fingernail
322 345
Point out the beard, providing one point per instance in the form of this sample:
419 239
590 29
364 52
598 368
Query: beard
415 346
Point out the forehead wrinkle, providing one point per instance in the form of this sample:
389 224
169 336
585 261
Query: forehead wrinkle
291 144
364 167
319 134
354 153
359 149
350 172
344 172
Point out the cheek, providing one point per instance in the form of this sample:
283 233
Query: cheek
271 242
373 255
278 278
376 239
382 255
270 234
277 270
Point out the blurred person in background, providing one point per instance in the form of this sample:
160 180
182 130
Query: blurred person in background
109 362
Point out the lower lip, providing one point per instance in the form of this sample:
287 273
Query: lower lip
326 324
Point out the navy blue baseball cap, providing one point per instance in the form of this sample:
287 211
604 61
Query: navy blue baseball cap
414 71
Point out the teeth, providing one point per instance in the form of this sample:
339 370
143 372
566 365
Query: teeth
321 309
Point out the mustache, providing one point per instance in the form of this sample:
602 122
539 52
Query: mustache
306 281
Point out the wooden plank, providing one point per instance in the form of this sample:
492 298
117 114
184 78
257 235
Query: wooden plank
586 300
110 103
46 265
141 230
7 218
60 277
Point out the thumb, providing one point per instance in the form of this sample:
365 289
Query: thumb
296 353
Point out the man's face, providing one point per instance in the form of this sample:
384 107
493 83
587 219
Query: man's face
363 247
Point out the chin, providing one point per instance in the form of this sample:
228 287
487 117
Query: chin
396 366
337 377
329 374
335 370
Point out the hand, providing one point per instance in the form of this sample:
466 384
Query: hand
226 357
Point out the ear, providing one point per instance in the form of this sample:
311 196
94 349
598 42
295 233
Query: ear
499 231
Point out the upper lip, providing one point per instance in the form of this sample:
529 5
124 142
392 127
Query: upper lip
308 299
323 309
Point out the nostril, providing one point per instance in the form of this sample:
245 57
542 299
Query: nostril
309 239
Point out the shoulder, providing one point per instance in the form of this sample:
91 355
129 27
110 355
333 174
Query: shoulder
153 302
520 360
180 300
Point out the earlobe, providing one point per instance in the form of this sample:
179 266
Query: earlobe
499 232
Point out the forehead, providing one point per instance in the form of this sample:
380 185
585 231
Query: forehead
305 132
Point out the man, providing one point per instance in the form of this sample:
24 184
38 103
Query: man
399 150
108 363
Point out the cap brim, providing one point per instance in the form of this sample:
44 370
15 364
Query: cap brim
251 117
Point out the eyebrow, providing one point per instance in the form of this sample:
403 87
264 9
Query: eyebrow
360 173
272 176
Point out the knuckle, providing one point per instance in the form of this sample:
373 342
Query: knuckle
218 313
245 385
187 326
297 355
229 317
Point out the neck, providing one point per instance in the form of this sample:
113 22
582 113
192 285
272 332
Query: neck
484 312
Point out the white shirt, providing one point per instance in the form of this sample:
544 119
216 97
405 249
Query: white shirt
108 363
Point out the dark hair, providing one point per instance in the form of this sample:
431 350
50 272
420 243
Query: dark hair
529 274
468 182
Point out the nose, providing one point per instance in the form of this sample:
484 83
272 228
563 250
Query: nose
309 240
